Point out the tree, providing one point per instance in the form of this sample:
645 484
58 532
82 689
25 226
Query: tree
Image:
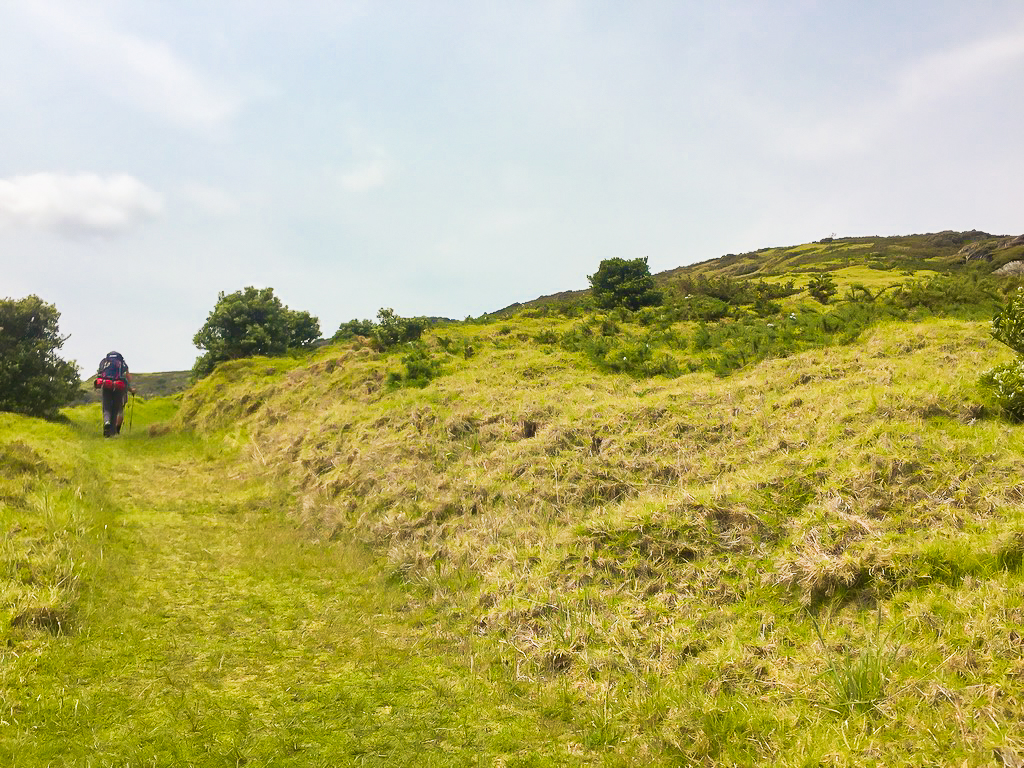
303 329
822 288
393 329
354 327
251 322
33 380
1008 323
624 283
1004 384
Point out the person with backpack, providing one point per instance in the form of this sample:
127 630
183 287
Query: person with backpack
115 382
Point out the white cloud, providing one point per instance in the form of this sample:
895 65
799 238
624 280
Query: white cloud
74 205
211 200
145 73
920 84
372 173
934 76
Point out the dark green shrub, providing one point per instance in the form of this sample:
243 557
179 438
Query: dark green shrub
822 287
33 380
1008 323
704 308
420 367
354 328
945 293
1004 384
702 338
764 307
251 322
731 290
1004 388
392 329
624 283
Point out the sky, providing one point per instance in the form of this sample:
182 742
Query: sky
452 157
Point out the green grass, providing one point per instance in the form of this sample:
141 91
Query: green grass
650 557
539 557
207 629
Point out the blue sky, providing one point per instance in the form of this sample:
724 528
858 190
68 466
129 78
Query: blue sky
451 158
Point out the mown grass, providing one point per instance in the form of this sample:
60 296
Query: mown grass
206 629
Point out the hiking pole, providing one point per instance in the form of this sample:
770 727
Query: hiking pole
131 414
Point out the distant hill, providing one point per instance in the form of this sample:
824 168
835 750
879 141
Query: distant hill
146 385
941 252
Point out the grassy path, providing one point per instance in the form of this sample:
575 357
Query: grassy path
211 632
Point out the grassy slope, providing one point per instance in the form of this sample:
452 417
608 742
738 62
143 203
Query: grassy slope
814 561
162 610
872 261
658 556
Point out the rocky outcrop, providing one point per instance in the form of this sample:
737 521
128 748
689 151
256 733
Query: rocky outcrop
1010 268
976 252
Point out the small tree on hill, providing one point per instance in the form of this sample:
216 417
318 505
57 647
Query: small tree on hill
354 327
624 283
393 329
251 322
33 380
822 288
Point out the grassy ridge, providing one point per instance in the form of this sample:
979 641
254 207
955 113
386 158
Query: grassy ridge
871 259
659 556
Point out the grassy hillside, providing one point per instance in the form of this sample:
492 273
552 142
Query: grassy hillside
789 536
742 528
876 261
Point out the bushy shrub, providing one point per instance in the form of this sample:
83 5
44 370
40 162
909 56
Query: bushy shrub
947 293
420 367
635 358
1008 323
353 328
251 322
391 329
737 292
34 380
1004 386
704 308
624 283
822 288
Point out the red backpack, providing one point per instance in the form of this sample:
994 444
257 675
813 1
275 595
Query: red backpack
112 373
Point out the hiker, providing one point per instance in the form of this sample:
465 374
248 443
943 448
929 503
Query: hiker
115 382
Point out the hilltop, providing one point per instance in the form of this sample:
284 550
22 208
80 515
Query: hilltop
742 527
942 252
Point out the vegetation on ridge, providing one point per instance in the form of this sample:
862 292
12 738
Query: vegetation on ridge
811 557
250 322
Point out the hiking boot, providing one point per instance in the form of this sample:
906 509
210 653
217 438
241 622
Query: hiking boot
107 429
